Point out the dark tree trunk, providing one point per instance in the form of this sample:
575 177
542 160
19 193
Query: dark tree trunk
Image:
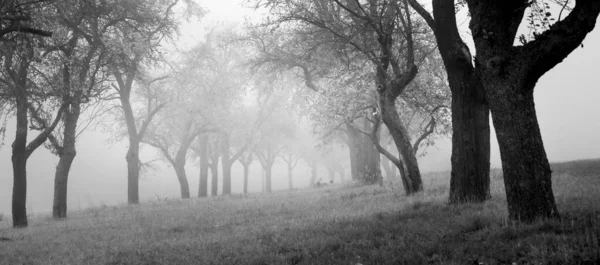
390 117
470 176
364 157
19 161
133 171
203 181
470 180
183 182
527 174
509 75
66 156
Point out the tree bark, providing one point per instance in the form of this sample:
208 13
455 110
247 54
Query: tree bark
389 115
527 174
133 171
183 182
66 154
203 182
469 181
470 175
19 162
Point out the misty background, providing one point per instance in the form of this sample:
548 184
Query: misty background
566 102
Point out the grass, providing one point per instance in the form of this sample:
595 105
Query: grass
332 225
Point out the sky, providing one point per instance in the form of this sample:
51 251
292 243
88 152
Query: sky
566 100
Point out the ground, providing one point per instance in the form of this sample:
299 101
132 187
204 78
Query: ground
332 225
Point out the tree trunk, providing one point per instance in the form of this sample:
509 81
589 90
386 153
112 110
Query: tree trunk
19 161
133 171
268 171
203 182
246 173
59 207
214 169
290 172
401 138
364 157
470 176
527 174
66 156
183 182
226 164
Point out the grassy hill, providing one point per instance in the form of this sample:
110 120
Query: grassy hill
331 225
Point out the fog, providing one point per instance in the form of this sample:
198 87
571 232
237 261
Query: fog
566 101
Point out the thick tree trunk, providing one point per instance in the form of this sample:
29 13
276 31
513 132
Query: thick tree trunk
19 162
133 171
527 174
184 186
401 138
246 173
214 169
364 157
203 181
66 156
470 176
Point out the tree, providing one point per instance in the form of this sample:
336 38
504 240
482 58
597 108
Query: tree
20 56
509 93
291 157
145 24
382 34
79 59
173 136
15 15
469 180
246 159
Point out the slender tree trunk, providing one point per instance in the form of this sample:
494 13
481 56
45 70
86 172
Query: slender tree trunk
66 156
527 174
268 171
364 157
246 173
19 161
290 172
133 171
226 164
402 140
184 186
203 182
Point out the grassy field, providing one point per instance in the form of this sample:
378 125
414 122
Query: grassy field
331 225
